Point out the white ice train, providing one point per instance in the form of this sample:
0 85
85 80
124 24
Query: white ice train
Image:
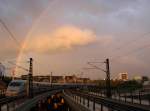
16 87
19 87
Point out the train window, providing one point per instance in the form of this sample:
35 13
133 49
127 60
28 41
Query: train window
15 84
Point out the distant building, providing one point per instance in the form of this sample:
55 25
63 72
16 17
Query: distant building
138 79
58 79
83 80
145 78
48 78
71 79
146 85
123 76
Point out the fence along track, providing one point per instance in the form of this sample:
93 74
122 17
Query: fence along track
112 103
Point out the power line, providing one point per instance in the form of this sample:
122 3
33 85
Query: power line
124 45
18 66
133 51
136 50
94 66
107 71
129 44
10 33
135 40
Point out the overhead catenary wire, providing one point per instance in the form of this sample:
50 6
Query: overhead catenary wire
124 45
12 37
143 36
133 51
94 66
10 33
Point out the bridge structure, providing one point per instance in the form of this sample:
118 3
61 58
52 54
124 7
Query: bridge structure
76 97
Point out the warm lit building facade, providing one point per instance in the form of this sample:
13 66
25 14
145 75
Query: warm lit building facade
123 76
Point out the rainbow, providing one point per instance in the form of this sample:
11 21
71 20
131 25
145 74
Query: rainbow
37 21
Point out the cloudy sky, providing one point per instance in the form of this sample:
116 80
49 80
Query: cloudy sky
63 35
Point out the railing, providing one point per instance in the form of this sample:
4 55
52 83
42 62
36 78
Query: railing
32 102
107 102
139 97
74 106
77 100
29 104
7 100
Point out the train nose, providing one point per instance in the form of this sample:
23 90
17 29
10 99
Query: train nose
8 93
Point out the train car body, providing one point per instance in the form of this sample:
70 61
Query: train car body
21 87
16 88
